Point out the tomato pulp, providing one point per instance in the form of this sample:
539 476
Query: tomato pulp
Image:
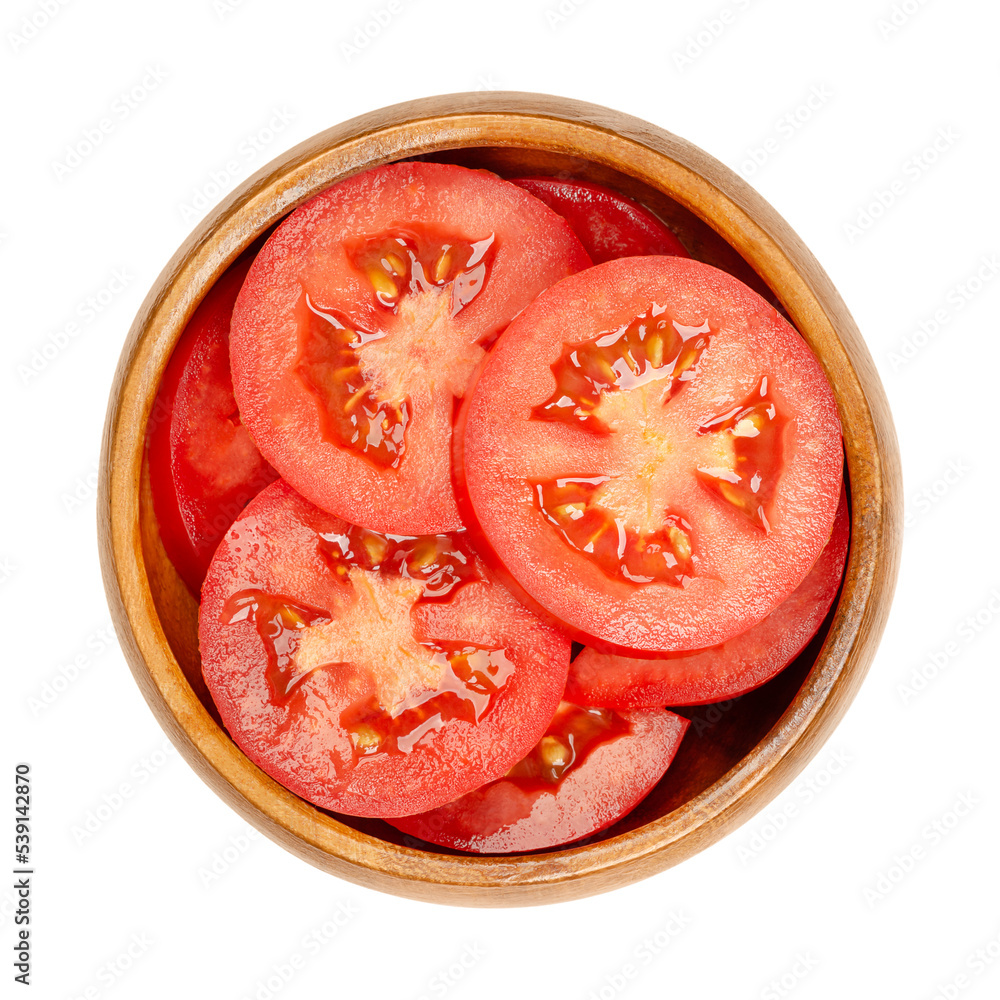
591 767
204 468
372 674
609 224
650 455
736 666
362 320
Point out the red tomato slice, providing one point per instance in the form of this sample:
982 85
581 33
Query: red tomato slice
736 666
609 224
651 456
362 320
203 466
591 767
373 675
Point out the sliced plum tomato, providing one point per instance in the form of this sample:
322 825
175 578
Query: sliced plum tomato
609 224
375 675
362 320
650 455
736 666
588 770
204 467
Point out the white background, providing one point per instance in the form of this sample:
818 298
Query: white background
822 908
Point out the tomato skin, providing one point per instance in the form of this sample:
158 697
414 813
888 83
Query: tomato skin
743 574
204 467
299 736
720 672
310 266
609 224
503 818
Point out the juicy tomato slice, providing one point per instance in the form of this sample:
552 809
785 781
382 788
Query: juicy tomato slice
591 767
204 467
362 320
651 456
374 675
609 224
736 666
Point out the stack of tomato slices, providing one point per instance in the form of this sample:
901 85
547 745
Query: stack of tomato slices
444 431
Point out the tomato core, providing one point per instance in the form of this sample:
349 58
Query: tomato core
471 678
648 349
650 456
390 574
621 551
425 281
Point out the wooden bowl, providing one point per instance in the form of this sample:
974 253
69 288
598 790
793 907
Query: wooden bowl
737 756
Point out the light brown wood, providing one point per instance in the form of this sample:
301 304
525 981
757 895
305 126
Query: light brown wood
733 761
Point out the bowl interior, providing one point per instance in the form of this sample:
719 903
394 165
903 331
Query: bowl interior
720 735
737 754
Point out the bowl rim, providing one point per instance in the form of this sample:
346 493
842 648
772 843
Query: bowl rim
740 216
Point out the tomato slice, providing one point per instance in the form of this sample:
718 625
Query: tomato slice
736 666
362 320
609 224
374 675
588 770
651 456
204 467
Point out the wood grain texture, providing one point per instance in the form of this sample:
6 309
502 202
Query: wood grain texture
733 761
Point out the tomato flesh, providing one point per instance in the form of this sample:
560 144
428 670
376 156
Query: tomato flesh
588 770
373 675
620 467
204 467
363 319
736 666
609 224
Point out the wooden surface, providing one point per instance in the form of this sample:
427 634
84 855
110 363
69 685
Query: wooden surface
733 762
